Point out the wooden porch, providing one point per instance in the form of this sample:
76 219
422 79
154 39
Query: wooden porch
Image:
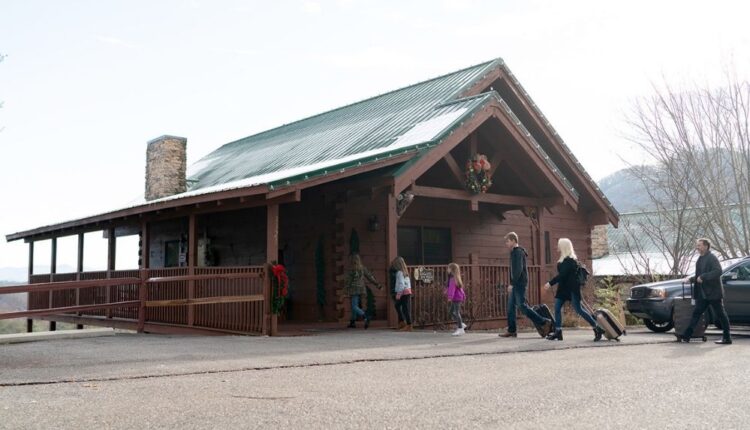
226 300
233 300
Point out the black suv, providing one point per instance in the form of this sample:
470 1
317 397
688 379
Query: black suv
653 302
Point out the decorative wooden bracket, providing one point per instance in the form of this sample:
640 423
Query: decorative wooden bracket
532 213
403 201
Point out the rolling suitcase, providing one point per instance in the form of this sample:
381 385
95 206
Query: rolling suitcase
544 312
607 321
682 313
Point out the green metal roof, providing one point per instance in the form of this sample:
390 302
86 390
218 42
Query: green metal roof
388 124
372 124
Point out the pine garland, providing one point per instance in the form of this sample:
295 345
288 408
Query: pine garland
353 242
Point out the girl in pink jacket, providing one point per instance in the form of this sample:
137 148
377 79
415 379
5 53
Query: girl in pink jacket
454 292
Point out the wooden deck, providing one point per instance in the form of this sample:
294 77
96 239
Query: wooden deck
226 299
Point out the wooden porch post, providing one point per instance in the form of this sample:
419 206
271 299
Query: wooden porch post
111 260
192 261
145 245
53 260
475 282
30 322
272 252
79 271
52 271
142 297
142 287
542 261
31 259
111 249
391 243
79 266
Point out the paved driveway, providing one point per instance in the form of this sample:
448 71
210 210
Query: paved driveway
374 379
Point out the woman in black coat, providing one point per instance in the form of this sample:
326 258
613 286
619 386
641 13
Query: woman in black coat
568 289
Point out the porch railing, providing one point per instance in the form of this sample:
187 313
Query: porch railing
220 298
486 293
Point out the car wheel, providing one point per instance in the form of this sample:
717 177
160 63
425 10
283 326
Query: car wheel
659 327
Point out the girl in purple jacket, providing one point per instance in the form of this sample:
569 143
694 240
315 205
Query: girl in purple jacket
454 292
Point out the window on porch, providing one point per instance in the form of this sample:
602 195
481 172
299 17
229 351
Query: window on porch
425 245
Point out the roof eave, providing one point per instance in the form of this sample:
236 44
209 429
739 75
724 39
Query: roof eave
300 182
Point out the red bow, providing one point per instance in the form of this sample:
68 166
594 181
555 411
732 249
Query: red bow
279 272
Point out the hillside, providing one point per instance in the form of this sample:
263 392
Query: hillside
11 303
625 191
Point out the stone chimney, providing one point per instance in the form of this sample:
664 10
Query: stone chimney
166 159
599 242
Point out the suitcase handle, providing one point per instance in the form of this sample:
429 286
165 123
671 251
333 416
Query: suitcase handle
692 291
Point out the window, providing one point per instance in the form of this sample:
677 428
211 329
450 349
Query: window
743 272
425 245
547 249
172 253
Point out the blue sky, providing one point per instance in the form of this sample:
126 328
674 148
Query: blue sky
87 83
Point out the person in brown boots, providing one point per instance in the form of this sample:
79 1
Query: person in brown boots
358 275
403 293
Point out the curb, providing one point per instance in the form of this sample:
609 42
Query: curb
7 339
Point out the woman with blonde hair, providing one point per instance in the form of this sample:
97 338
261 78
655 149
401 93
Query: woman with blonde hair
403 293
355 287
454 292
569 289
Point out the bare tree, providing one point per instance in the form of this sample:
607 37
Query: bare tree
699 142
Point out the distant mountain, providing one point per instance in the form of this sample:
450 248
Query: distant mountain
11 302
21 274
625 190
14 274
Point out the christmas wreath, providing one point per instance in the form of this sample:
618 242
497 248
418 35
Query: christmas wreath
279 287
478 174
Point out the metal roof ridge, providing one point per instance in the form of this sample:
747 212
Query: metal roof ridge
468 98
490 65
358 102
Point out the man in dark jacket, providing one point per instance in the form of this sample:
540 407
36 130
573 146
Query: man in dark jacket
519 280
708 291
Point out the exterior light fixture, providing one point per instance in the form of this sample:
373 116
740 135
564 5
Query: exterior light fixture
373 224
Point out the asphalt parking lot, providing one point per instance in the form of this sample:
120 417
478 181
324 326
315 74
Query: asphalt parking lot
374 379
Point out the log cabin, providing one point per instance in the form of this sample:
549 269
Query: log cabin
436 172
